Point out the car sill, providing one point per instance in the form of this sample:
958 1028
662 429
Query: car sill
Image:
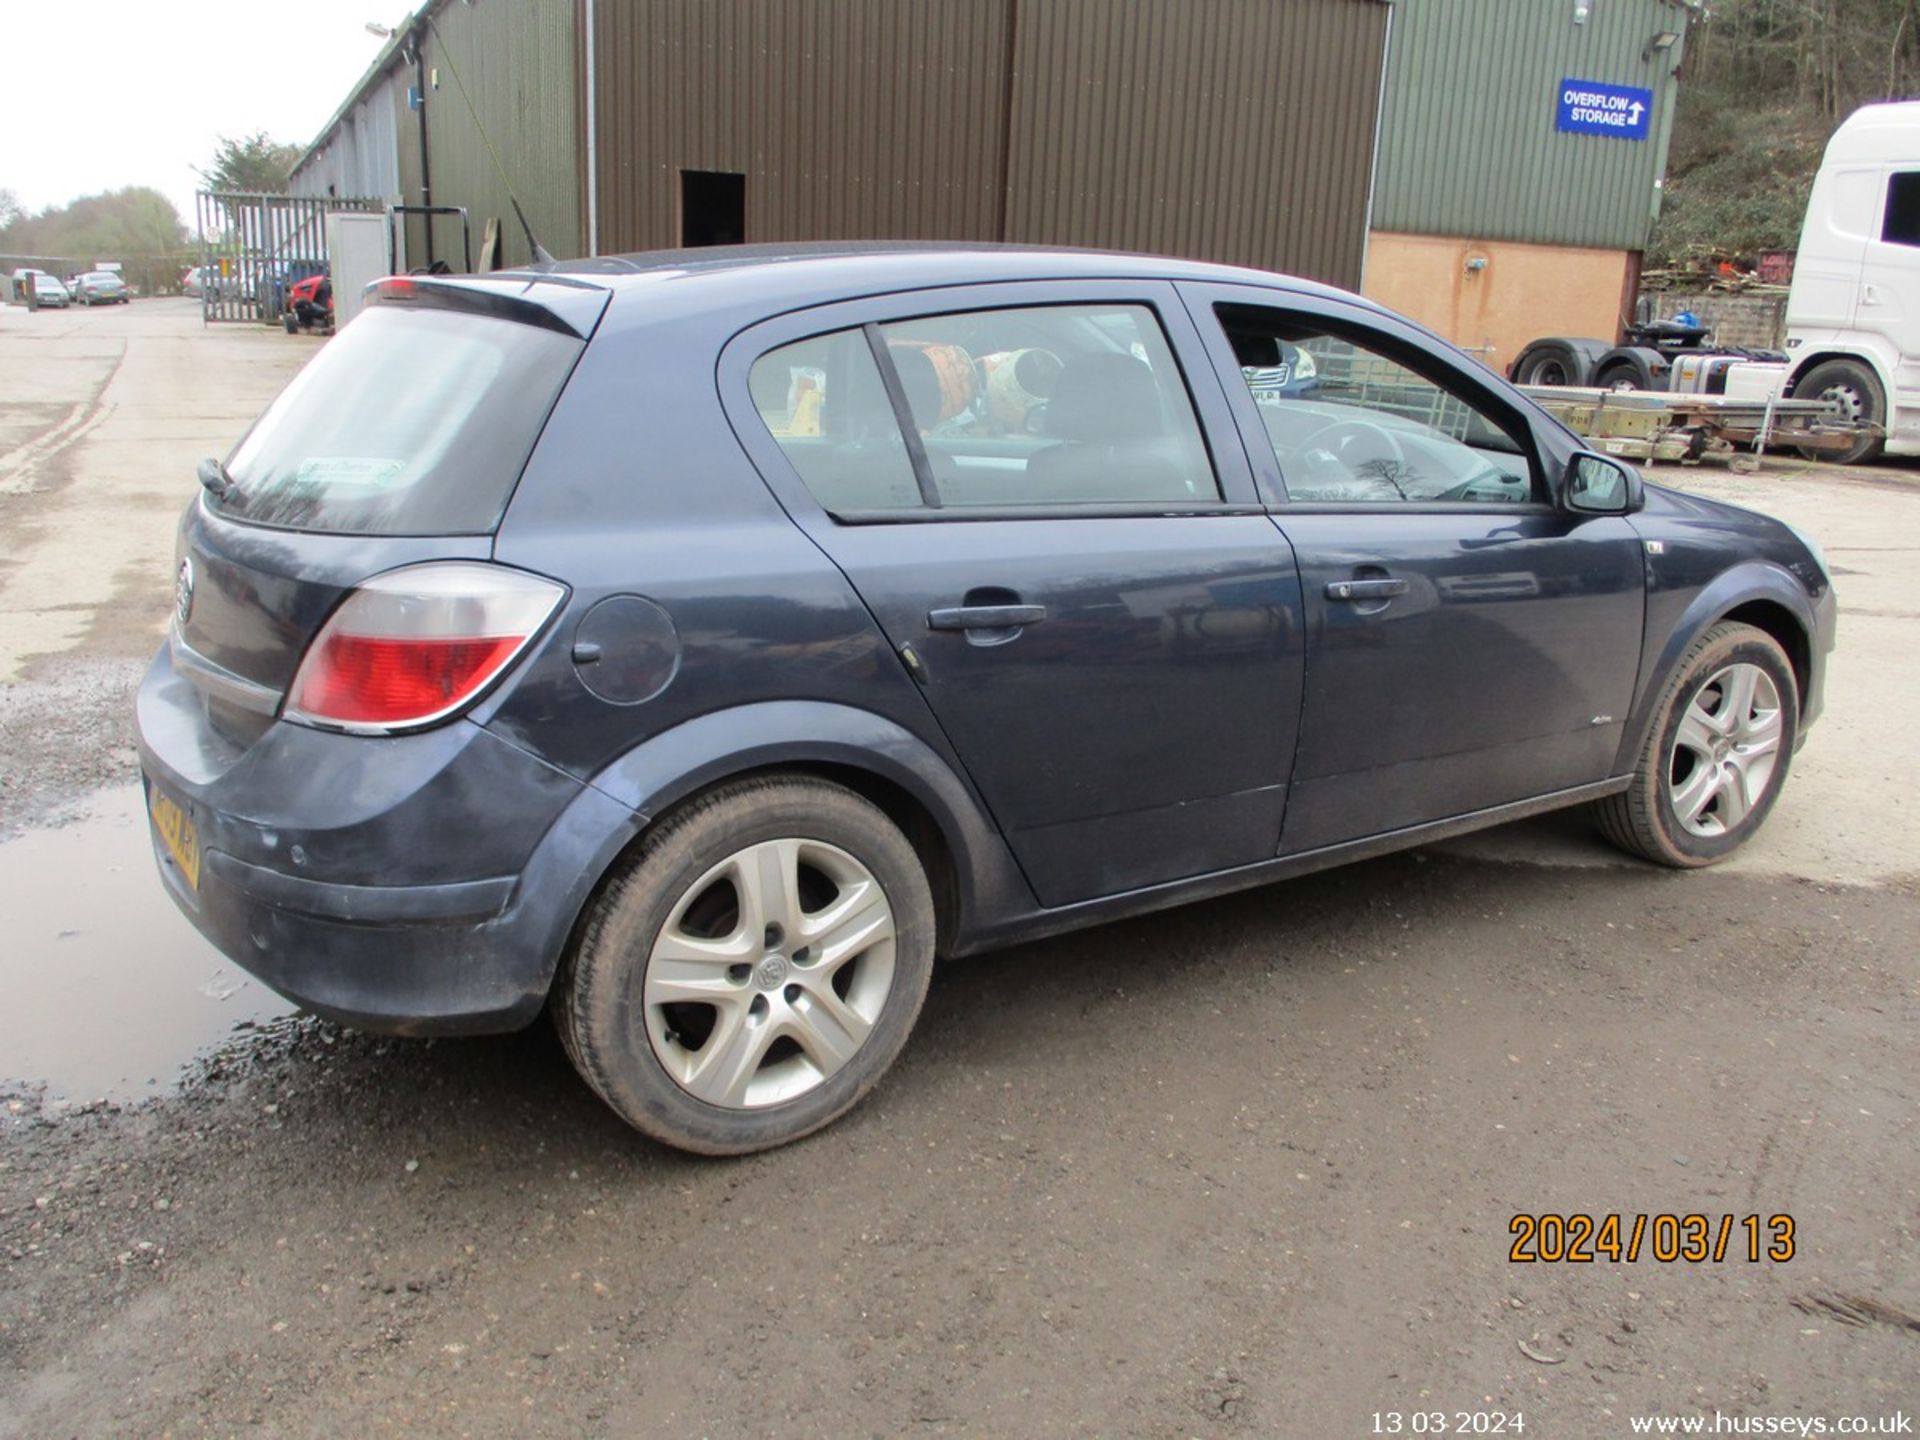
1040 923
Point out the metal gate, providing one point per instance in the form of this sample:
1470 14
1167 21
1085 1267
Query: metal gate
255 248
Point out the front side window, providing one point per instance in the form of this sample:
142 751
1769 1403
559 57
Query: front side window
1038 406
1352 425
1901 226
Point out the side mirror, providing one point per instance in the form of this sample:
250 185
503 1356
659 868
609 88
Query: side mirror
1599 485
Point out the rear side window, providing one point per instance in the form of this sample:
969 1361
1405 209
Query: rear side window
1036 406
826 404
409 422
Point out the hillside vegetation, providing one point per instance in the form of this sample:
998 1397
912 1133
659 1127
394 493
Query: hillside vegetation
1765 84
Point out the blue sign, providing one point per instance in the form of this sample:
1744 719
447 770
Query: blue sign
1588 107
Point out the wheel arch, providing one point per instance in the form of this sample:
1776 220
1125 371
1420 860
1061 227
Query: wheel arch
969 868
1580 353
1649 366
1757 593
1804 365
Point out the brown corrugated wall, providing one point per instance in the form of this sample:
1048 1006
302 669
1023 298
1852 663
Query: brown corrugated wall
849 118
1233 130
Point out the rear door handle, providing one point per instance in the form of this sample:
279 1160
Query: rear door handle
985 617
1365 589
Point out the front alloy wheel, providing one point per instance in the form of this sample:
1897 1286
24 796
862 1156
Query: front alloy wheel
1716 754
1726 751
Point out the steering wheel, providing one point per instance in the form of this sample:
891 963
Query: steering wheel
1358 443
1480 487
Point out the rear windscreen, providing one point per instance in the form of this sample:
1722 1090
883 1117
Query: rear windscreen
409 422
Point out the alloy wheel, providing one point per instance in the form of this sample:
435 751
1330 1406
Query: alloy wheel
769 973
1726 750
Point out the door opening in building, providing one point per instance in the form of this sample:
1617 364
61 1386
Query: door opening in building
713 207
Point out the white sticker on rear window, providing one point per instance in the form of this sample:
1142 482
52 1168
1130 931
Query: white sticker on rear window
365 472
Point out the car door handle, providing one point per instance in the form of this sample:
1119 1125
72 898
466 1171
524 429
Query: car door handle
985 617
1365 589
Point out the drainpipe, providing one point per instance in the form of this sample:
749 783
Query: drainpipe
593 141
419 39
1373 167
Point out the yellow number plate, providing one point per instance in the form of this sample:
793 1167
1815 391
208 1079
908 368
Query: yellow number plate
182 839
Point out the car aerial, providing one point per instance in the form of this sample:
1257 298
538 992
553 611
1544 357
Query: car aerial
101 287
698 644
49 292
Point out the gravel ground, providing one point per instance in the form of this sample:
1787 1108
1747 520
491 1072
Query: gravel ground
1243 1168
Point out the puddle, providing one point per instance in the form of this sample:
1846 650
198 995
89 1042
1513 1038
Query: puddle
106 990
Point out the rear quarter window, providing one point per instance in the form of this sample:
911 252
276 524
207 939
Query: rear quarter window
409 422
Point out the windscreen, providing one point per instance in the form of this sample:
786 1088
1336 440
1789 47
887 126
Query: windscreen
410 422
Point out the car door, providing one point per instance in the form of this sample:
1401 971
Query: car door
1889 296
1019 483
1841 212
1469 643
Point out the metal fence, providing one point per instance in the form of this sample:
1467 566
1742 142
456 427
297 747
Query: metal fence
255 248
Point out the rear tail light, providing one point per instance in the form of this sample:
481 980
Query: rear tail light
418 645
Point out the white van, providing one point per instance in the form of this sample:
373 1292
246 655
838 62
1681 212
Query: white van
1853 315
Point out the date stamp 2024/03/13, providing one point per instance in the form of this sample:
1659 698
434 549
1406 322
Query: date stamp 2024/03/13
1694 1239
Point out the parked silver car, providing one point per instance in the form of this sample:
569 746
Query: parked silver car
101 287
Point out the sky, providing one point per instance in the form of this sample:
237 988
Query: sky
149 107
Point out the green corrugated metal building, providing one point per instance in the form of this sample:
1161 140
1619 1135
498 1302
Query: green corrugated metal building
1491 222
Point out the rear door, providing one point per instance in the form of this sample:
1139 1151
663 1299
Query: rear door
1468 643
1101 616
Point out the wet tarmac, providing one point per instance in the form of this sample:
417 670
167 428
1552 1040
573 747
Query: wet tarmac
108 991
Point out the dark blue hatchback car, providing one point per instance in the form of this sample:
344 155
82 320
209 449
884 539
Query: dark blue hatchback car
699 644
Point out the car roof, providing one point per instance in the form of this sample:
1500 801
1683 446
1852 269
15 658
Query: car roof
798 275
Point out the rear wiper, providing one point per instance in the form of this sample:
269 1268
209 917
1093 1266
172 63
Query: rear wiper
213 475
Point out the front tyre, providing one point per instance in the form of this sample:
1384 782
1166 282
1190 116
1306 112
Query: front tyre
749 974
1851 386
1716 756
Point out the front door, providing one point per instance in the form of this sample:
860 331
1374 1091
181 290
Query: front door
1104 621
1468 643
1889 301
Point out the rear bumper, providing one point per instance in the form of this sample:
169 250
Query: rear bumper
422 885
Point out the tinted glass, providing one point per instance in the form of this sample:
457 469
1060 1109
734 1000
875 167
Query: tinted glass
1055 405
1902 223
825 403
409 422
1351 425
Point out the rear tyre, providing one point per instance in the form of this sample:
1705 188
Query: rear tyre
1549 365
1856 390
1716 755
1619 377
749 974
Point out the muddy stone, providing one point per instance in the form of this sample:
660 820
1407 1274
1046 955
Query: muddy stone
110 992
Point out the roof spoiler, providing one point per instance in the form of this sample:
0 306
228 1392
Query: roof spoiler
551 302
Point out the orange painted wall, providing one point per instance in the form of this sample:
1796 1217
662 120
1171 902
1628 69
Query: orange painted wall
1520 294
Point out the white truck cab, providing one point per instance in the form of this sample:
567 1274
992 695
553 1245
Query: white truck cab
1853 314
